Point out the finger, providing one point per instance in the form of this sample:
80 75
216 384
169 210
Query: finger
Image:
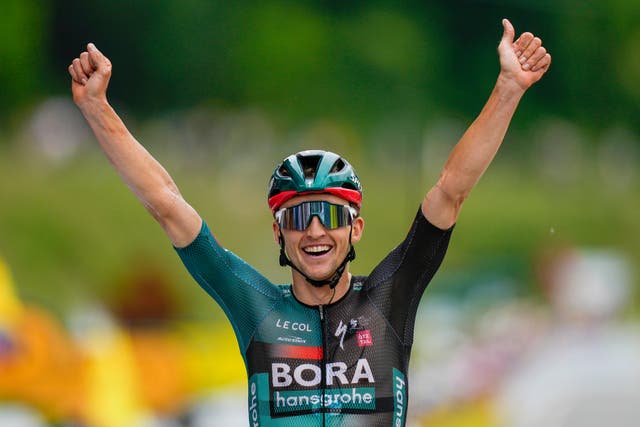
84 62
77 67
543 64
531 48
522 42
508 31
535 58
72 73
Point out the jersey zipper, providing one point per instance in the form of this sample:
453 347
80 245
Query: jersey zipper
323 366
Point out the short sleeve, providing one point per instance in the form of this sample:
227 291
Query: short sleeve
245 295
396 285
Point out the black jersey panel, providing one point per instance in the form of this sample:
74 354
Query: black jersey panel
396 285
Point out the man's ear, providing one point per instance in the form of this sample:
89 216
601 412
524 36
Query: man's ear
357 229
276 232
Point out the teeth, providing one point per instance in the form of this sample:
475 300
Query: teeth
317 249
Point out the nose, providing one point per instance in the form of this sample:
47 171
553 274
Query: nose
315 228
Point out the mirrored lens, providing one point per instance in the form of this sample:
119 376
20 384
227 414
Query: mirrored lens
330 215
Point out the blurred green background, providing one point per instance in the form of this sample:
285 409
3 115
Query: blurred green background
220 92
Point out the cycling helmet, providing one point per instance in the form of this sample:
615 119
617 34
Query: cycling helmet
310 172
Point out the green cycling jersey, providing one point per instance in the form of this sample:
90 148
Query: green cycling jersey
342 364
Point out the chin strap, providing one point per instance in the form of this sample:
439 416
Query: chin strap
333 282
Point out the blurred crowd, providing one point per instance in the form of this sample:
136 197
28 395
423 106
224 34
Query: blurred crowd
570 359
127 364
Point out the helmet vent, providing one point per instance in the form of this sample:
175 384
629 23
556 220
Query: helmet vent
338 166
283 171
309 165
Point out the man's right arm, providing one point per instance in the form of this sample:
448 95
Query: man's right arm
522 64
148 180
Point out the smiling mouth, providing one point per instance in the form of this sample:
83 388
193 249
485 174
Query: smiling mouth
317 250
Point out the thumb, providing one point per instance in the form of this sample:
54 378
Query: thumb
98 60
509 32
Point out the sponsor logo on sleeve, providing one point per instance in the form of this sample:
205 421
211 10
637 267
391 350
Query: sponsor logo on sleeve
399 398
254 413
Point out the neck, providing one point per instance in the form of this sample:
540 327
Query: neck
312 295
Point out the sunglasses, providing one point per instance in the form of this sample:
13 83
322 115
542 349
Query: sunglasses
299 217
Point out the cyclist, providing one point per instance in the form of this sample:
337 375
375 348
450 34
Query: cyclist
331 348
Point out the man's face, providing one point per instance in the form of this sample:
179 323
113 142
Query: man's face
317 250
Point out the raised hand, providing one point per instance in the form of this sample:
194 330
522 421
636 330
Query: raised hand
90 74
524 61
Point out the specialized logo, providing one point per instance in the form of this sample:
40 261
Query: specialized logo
341 332
355 179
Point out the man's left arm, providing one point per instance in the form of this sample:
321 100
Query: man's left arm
522 63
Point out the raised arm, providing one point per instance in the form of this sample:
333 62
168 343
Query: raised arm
522 63
149 181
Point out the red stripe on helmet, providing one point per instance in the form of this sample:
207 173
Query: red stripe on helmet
352 196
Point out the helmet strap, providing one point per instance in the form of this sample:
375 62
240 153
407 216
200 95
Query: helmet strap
333 282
